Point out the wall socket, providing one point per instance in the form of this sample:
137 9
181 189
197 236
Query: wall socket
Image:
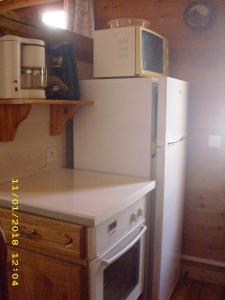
51 154
214 141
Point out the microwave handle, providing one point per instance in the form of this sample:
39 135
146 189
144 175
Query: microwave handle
107 262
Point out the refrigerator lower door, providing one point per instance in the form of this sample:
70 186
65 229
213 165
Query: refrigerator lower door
170 175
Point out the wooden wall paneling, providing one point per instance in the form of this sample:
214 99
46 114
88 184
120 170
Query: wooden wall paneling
202 199
85 70
204 224
203 272
189 289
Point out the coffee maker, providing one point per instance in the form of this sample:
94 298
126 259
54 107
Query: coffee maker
22 68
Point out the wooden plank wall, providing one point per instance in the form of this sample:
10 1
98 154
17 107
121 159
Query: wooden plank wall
200 59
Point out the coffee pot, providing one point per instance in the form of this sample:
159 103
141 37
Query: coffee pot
22 68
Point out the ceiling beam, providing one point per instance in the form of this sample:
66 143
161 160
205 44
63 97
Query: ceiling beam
83 44
14 15
8 5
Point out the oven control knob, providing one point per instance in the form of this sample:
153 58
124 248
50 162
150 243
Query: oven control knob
140 212
133 218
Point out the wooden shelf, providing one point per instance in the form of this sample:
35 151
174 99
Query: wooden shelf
14 111
47 102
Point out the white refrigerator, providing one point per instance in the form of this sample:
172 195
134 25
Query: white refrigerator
137 126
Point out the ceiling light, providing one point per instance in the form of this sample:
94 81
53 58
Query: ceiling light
55 19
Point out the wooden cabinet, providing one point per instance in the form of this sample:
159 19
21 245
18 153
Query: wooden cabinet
46 278
49 267
47 236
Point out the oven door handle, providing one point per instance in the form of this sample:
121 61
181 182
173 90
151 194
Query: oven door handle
107 262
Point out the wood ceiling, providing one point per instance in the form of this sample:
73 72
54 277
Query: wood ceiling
27 11
8 5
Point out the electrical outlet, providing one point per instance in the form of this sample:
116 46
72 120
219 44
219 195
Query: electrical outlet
51 154
214 141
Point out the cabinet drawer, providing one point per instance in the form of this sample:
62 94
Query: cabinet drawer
45 235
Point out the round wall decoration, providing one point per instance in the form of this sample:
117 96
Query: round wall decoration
199 15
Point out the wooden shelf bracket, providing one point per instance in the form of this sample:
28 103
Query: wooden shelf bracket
10 118
59 115
14 111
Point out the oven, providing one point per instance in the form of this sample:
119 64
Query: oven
118 272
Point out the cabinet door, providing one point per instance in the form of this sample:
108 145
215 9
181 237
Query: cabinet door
45 278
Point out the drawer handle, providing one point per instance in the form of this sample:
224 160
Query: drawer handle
28 235
70 240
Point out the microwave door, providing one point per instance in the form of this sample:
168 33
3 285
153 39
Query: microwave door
151 52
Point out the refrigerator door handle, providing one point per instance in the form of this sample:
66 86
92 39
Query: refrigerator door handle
177 141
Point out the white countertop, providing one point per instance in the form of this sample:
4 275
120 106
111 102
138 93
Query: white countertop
78 196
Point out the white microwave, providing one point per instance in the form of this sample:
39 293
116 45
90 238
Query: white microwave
129 52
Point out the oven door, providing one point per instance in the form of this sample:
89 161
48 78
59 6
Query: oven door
118 273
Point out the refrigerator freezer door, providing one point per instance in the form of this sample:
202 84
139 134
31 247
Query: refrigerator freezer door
115 134
170 174
172 110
